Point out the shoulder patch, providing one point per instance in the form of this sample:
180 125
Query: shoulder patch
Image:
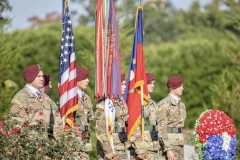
99 114
162 114
16 101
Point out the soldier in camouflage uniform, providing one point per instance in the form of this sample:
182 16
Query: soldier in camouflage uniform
30 105
172 113
47 84
148 149
120 141
151 133
84 115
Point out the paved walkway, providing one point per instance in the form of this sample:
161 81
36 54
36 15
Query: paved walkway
189 153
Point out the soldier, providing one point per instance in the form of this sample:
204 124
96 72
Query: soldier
120 141
47 85
151 146
31 106
172 113
84 115
151 119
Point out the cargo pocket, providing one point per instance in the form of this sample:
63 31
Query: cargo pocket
118 145
148 141
175 138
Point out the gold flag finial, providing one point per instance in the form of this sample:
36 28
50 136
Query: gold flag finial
65 5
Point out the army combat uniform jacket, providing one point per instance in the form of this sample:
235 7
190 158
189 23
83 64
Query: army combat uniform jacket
27 107
150 145
103 144
84 117
171 122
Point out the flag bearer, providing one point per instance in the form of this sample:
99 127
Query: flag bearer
149 148
117 148
151 109
84 115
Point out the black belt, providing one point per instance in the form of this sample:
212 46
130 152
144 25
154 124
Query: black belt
119 129
174 130
147 127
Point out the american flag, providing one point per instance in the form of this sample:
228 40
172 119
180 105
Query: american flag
67 82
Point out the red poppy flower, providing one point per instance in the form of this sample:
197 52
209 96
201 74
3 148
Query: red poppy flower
26 124
75 123
40 121
14 131
78 132
1 125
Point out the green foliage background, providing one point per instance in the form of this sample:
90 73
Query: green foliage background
201 43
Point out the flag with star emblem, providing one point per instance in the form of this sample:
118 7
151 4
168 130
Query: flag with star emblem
136 94
67 82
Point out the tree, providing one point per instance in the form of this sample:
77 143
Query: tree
7 52
200 61
4 6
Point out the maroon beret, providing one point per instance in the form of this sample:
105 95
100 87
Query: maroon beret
46 78
122 77
31 72
82 73
175 81
150 77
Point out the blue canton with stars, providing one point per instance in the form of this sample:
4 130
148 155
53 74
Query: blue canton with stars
67 44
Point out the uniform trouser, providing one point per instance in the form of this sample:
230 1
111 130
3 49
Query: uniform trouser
118 154
178 152
81 156
152 155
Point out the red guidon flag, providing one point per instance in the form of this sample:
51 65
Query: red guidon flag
136 94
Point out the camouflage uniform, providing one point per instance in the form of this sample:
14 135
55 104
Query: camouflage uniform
149 146
103 144
84 117
27 107
172 117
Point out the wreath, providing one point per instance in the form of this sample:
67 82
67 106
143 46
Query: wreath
215 136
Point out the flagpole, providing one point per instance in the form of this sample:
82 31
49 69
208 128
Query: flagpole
142 115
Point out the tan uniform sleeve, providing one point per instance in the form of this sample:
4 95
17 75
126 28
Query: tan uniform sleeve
17 110
162 128
101 132
58 126
90 110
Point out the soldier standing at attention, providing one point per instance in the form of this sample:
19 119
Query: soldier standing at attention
30 105
84 115
120 140
47 84
151 145
151 114
172 116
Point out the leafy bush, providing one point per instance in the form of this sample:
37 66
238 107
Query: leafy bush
34 142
